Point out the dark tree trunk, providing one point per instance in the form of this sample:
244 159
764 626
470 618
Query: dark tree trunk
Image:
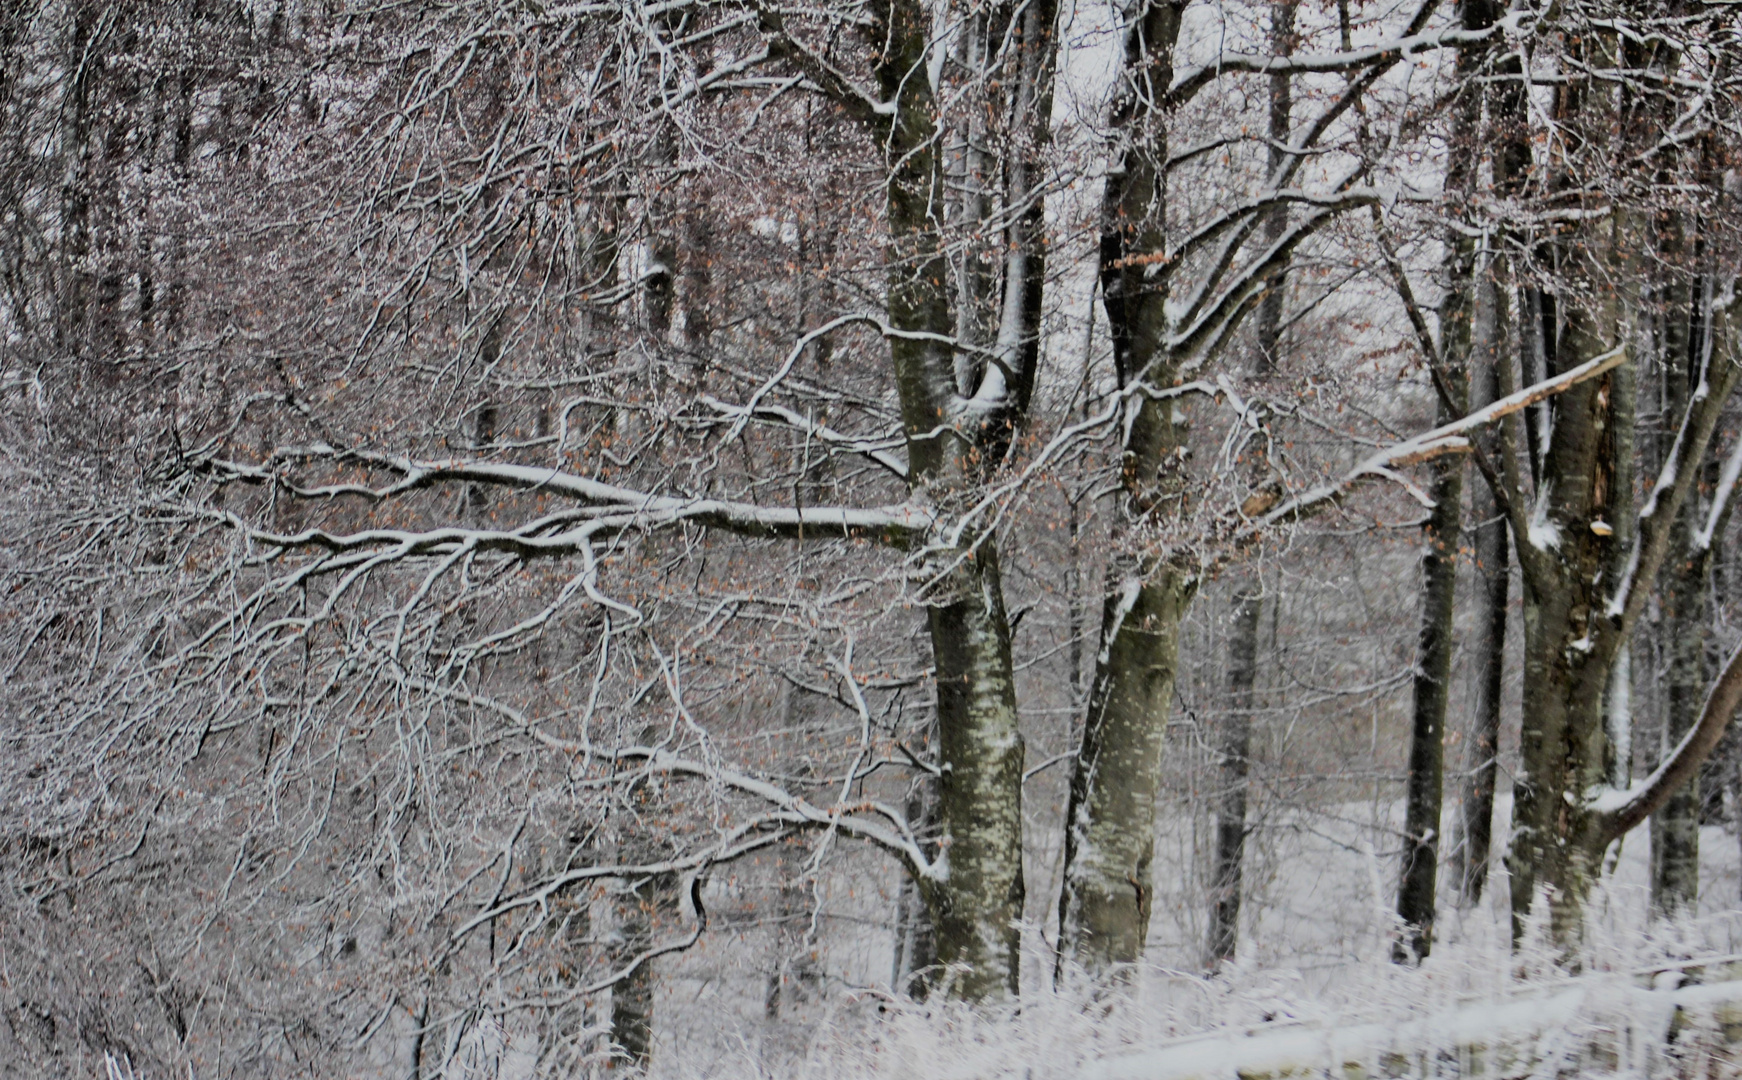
976 903
574 912
1226 880
1269 326
1433 676
792 972
648 903
1236 753
1425 786
1675 829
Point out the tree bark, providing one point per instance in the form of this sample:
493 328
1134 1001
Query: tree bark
574 932
632 996
1564 681
1494 580
1226 880
1416 893
1675 829
641 909
1110 827
1104 902
74 278
1569 645
976 907
916 946
976 904
1236 754
792 974
1436 642
1582 598
1282 13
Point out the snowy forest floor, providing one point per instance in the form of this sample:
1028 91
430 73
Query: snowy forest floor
1315 983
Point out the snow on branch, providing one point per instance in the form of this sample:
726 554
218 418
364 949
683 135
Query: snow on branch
833 82
895 524
1340 199
1445 439
876 822
876 450
1618 811
1189 81
1652 535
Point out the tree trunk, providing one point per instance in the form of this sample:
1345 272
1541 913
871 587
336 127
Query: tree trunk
1269 325
1104 901
1569 550
1110 823
916 947
632 996
976 903
976 907
1675 829
1236 753
1425 786
792 973
1493 555
1433 676
1565 679
74 284
1494 574
1248 604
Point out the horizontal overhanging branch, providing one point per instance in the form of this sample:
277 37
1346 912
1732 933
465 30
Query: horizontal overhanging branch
630 508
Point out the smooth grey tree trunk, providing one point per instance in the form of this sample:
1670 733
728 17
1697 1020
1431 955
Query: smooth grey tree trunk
1110 824
976 909
977 902
1493 559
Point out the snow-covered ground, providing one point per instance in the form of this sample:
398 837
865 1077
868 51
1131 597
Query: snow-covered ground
1314 983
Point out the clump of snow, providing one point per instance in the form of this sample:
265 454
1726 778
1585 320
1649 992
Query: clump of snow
1544 534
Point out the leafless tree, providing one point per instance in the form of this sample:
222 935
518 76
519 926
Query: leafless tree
488 488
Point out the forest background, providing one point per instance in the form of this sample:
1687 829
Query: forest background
558 538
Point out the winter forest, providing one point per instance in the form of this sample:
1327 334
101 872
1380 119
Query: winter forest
870 538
